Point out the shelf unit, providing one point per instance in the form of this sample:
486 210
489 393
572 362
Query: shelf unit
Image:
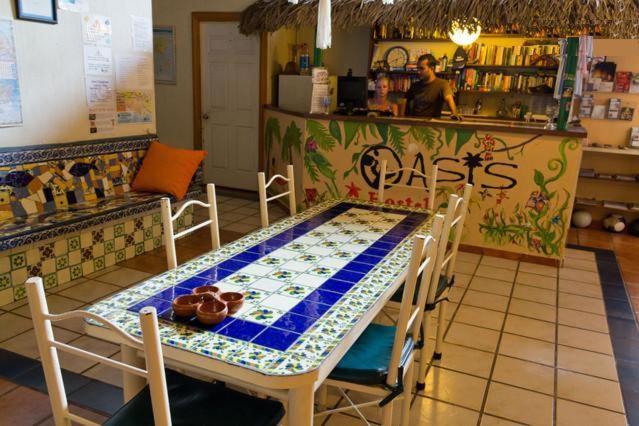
617 151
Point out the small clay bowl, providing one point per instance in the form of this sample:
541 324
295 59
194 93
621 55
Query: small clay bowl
211 289
210 313
234 301
206 297
185 305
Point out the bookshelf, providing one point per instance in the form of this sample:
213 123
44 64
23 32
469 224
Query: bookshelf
614 151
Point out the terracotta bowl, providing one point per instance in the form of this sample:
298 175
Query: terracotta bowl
234 301
204 289
206 297
185 305
210 313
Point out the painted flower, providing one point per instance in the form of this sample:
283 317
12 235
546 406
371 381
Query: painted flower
537 201
353 190
536 243
488 143
555 220
311 196
311 145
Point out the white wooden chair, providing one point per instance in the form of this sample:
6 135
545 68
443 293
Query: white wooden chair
167 223
381 361
432 182
263 186
185 401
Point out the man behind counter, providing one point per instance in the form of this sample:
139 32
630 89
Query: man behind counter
426 97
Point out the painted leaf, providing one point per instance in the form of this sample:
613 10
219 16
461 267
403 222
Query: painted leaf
539 178
333 126
322 164
310 169
320 134
350 131
272 133
463 136
450 134
292 140
396 139
424 135
382 129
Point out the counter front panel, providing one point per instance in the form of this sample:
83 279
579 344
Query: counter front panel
524 183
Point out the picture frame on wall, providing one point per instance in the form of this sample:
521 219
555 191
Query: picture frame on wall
164 54
37 10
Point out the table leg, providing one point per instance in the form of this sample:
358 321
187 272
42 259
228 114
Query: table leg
300 406
132 384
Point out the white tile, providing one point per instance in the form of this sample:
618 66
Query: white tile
267 284
309 280
284 254
321 251
259 270
280 302
333 263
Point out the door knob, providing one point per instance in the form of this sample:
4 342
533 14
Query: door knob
205 116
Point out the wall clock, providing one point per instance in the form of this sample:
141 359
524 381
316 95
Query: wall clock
397 58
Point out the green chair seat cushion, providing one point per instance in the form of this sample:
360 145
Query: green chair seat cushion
194 402
366 362
441 287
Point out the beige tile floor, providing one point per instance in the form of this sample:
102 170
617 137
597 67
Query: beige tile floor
525 344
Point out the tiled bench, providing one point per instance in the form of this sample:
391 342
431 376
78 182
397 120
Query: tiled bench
67 210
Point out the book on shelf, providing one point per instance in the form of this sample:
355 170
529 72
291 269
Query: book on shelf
603 76
634 83
598 112
587 172
622 81
585 107
614 108
608 176
482 54
627 111
634 137
626 178
588 201
617 205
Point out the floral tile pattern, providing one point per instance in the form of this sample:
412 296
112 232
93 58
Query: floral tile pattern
297 307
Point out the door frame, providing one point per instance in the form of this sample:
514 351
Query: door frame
196 19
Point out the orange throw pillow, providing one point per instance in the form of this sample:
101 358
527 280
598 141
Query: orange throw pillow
167 170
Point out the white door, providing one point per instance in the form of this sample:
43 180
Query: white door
230 104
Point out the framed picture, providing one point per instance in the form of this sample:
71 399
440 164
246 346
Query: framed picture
164 54
37 10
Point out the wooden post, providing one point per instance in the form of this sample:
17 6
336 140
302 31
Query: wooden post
215 229
432 190
382 181
167 224
261 186
291 188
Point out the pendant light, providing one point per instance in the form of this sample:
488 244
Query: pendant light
464 34
323 37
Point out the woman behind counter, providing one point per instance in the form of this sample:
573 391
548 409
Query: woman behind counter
381 102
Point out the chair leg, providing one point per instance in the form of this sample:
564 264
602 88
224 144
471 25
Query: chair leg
440 330
407 394
423 354
387 414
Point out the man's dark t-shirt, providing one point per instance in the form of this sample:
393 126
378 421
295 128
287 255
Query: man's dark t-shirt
426 99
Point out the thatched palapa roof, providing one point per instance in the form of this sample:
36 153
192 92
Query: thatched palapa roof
608 18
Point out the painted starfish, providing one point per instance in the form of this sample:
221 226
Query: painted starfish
353 190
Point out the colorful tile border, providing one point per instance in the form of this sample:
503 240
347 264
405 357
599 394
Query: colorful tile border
297 345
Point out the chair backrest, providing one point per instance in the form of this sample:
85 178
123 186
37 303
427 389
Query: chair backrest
447 249
431 188
422 262
167 223
48 347
263 186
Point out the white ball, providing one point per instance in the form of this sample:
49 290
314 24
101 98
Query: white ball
581 218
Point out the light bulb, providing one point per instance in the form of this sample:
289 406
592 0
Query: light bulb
462 34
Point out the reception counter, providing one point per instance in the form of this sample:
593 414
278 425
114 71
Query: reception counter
524 176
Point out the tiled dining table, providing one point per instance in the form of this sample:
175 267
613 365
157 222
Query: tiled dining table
312 283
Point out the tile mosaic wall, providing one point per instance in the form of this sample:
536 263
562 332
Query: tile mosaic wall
78 254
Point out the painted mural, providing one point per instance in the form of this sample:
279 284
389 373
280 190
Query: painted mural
523 184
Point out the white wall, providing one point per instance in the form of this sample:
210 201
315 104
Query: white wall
51 71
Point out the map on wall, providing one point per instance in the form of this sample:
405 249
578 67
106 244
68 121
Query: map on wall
10 102
164 54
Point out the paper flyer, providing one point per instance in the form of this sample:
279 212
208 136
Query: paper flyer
134 107
98 60
79 6
141 34
10 100
97 29
134 72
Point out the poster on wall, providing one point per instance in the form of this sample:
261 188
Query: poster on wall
141 34
164 54
96 29
134 72
10 101
134 107
79 6
98 60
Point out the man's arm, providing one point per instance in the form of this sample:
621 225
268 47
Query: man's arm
450 100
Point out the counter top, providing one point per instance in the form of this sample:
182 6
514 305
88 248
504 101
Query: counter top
469 123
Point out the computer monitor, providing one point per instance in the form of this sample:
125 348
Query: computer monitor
352 92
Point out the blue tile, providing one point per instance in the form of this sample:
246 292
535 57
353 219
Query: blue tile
276 339
173 292
247 257
337 286
619 309
299 232
285 237
363 268
614 292
274 244
170 316
204 278
309 309
383 245
323 296
393 239
623 329
242 330
232 265
375 252
213 274
365 258
351 277
292 322
260 249
159 305
215 327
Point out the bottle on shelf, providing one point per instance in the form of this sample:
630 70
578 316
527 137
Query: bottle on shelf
305 60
